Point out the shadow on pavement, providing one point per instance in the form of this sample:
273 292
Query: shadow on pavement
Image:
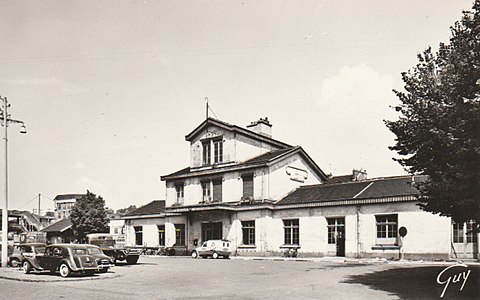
421 282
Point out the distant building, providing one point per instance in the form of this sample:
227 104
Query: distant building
63 204
60 232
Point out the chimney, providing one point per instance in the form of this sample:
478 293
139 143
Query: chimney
359 175
262 126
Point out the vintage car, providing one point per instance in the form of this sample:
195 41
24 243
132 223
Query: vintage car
213 248
21 251
68 259
104 260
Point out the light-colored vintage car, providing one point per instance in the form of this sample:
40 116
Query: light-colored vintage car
213 248
68 259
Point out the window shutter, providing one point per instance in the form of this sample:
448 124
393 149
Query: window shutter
248 186
217 190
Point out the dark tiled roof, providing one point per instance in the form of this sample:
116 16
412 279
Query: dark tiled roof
373 188
153 208
180 172
339 179
261 159
59 226
69 196
266 157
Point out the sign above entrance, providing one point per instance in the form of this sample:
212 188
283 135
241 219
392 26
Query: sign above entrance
296 174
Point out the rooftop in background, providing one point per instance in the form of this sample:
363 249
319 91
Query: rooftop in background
68 196
156 207
59 226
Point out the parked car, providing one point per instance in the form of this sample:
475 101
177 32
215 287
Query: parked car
101 258
24 250
68 259
213 248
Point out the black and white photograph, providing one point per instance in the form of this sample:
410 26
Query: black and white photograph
214 149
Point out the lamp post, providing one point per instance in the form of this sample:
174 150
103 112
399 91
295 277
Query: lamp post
5 117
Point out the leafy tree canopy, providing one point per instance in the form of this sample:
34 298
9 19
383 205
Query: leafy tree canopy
124 211
438 131
89 215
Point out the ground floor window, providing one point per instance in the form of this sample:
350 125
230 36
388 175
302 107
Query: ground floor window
291 232
180 234
161 235
387 229
248 230
138 235
471 232
335 228
457 232
212 231
465 232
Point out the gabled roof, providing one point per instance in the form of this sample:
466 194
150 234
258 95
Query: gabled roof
156 207
59 226
365 189
68 196
237 129
259 161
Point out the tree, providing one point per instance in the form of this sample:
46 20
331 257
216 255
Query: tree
89 215
438 131
124 211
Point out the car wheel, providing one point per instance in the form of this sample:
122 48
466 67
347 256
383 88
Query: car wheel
104 270
194 254
215 255
14 262
64 270
131 260
27 267
226 256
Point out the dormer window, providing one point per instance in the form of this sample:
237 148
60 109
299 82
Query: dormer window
207 156
217 151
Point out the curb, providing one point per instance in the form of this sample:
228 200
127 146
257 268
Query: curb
18 277
358 261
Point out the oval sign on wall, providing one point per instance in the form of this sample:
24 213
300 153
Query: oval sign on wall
402 231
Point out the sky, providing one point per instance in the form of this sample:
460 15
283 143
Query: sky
109 89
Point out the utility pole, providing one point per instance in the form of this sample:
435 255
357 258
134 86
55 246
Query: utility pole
38 212
5 117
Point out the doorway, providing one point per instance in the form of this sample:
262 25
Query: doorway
336 236
464 240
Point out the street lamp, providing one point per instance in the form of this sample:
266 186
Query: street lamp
5 118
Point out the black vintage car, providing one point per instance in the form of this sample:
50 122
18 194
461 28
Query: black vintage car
68 259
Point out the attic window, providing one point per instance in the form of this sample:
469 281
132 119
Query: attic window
216 145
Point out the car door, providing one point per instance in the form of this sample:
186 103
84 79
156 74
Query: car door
202 250
50 259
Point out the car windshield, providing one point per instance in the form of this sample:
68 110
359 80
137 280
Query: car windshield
39 249
79 251
94 251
